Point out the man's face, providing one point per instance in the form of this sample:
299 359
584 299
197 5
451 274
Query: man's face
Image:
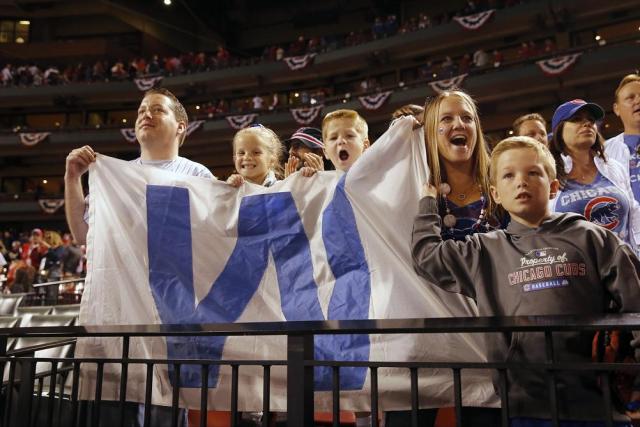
627 107
156 124
535 130
522 186
343 144
36 238
298 150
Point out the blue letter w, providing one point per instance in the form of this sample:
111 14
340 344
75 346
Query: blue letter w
267 223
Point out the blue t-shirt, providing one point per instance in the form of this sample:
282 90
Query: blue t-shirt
633 142
600 202
467 220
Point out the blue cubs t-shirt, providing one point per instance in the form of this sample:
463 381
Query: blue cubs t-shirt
467 220
633 142
600 202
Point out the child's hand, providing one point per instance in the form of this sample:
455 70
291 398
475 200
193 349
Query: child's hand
429 190
235 180
313 161
290 166
307 171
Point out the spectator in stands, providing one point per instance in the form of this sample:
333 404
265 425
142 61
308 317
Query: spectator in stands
53 265
532 125
391 25
523 51
305 149
549 47
448 67
117 71
71 256
160 130
590 184
257 151
423 21
464 63
459 164
588 270
7 75
37 248
625 147
378 29
498 58
23 279
258 102
480 58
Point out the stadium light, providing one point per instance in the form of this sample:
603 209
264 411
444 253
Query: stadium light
167 2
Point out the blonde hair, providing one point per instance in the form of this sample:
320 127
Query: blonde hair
629 78
359 123
515 142
532 116
53 238
480 156
271 143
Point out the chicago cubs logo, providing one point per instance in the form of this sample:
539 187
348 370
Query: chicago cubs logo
603 211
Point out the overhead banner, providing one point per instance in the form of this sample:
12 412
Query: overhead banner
33 138
171 249
475 21
375 101
129 134
558 65
146 83
241 122
305 116
299 62
440 86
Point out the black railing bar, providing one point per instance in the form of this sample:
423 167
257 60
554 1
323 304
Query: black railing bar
118 361
123 379
33 414
147 395
627 321
457 396
57 282
234 395
175 398
204 395
98 399
504 397
75 382
374 397
266 396
335 389
10 385
33 348
415 396
52 393
606 396
557 366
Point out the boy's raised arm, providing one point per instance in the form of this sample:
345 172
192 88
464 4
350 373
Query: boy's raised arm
452 266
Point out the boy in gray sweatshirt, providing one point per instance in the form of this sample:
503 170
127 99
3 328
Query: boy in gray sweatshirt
542 264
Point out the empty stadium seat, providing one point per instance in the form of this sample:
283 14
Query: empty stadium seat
9 304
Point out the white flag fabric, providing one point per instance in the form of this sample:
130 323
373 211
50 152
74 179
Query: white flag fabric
165 248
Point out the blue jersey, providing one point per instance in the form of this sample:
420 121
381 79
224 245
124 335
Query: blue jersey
633 142
600 202
467 220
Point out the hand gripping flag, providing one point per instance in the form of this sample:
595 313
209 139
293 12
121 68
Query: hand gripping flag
170 249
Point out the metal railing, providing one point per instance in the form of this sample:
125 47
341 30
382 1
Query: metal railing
299 363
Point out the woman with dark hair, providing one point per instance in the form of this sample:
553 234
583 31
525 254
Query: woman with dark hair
590 184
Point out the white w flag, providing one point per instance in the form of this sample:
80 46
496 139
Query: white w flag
165 248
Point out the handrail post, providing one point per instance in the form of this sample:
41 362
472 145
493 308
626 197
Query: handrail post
299 381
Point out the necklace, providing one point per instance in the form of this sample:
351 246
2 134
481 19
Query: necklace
449 220
460 195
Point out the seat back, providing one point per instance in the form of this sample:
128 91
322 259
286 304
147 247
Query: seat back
66 309
9 304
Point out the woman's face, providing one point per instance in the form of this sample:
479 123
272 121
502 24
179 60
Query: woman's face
456 130
579 132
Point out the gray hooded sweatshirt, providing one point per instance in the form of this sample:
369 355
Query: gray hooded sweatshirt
567 265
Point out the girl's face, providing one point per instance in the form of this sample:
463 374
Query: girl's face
456 130
579 132
251 158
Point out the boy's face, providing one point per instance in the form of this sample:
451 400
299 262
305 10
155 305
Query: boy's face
343 144
627 105
156 124
523 187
